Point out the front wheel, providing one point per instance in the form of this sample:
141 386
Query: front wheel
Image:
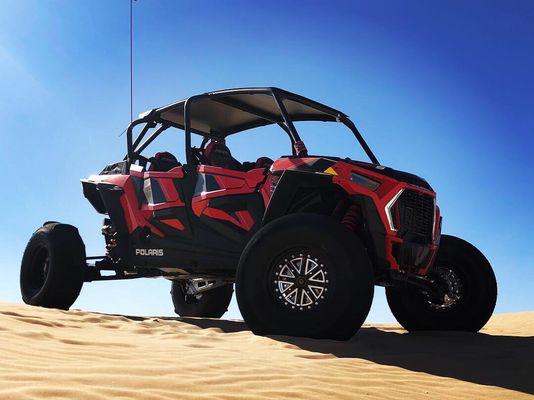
468 286
305 275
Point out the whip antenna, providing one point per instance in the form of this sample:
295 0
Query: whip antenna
131 60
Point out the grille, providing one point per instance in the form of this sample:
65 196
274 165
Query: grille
414 215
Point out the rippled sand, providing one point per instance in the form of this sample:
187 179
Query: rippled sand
81 355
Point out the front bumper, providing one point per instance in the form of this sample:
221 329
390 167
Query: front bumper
399 250
415 231
405 255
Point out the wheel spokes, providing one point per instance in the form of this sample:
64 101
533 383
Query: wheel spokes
310 266
286 272
318 277
300 280
317 291
285 285
296 264
454 287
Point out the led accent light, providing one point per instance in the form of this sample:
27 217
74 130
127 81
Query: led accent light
361 180
388 210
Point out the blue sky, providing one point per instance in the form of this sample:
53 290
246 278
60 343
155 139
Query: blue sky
441 89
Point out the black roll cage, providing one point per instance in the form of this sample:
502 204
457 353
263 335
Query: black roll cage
153 118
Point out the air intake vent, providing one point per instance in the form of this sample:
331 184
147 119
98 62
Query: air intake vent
413 213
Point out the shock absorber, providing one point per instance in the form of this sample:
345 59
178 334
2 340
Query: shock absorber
110 235
352 218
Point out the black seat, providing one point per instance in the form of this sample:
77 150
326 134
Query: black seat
219 155
163 162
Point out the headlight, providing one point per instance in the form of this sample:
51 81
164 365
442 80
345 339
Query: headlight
361 180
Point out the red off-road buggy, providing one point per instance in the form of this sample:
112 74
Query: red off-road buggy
304 238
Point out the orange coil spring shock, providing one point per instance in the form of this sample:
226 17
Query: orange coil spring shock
352 218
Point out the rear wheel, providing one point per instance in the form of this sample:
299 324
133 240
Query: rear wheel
468 290
212 303
305 275
51 272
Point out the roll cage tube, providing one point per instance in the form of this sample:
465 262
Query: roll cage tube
151 138
151 119
142 134
130 156
349 124
293 134
135 148
187 128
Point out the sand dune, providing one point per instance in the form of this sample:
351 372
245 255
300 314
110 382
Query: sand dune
82 355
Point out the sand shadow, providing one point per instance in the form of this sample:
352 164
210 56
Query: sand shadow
225 325
504 361
494 360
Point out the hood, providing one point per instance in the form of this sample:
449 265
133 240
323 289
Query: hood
395 174
321 163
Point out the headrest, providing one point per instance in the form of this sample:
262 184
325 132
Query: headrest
217 146
165 155
164 161
219 155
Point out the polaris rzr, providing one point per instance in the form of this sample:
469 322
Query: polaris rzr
304 238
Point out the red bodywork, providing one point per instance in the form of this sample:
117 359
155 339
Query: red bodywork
223 183
387 190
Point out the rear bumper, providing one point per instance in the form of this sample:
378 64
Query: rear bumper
106 198
91 193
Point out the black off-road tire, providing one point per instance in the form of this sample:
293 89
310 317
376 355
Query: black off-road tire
51 273
209 304
341 299
474 282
